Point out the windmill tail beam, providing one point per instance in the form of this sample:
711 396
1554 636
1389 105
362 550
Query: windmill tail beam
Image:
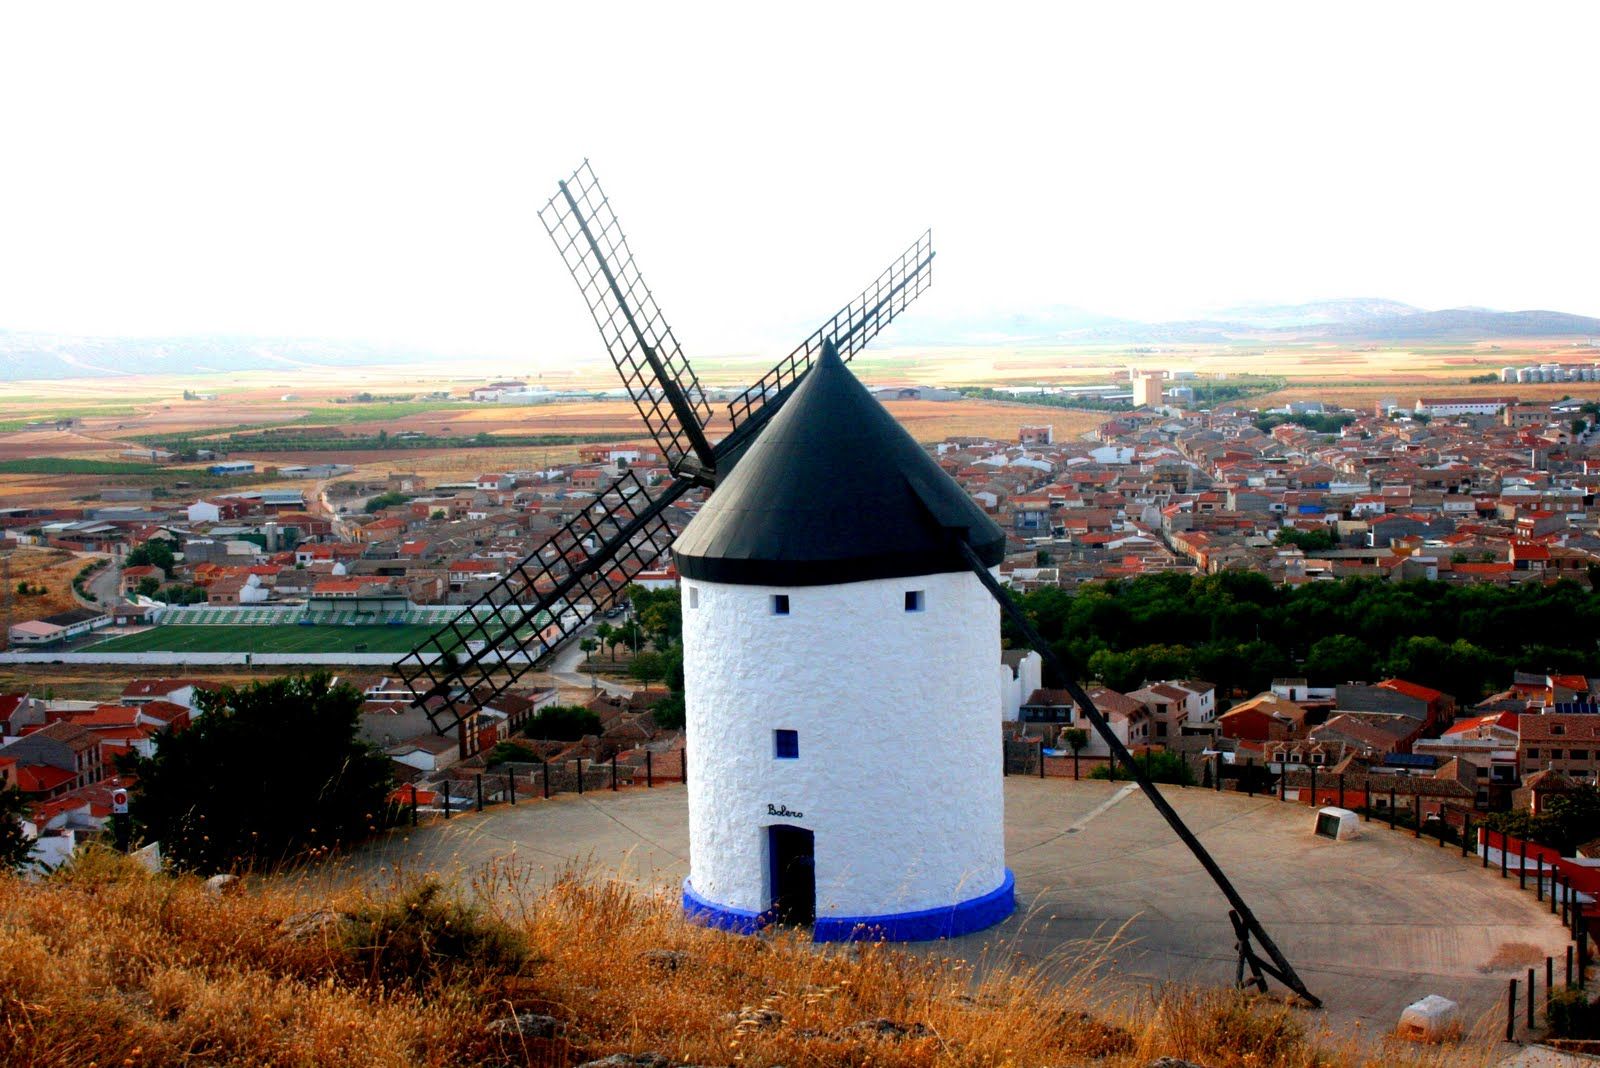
1281 968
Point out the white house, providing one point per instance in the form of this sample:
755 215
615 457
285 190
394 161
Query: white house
827 603
204 512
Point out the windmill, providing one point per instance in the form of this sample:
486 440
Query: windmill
588 563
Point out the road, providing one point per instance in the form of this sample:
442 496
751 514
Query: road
564 667
102 585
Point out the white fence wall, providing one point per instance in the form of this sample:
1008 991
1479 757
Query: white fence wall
169 659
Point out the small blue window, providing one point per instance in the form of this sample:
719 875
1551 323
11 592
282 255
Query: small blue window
780 604
913 600
786 744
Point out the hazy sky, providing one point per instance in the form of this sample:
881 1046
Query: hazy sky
375 171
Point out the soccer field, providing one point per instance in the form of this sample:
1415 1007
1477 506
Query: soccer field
286 638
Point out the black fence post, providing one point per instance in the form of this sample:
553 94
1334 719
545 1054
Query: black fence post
511 786
1250 776
1416 814
480 791
1522 865
1283 781
1549 984
1530 999
686 764
1041 758
1341 789
544 773
1485 838
1569 965
1565 921
613 773
649 771
1218 776
1005 760
1391 808
1511 1012
413 804
1505 847
1466 832
447 799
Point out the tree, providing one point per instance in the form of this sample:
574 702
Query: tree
562 723
153 553
14 845
607 634
589 645
1076 738
1159 765
148 586
1310 541
1340 658
384 500
645 667
437 514
214 803
1566 821
1579 426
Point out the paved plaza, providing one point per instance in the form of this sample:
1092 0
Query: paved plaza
1370 924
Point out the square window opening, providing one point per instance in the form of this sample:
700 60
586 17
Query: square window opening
786 744
694 597
913 600
780 604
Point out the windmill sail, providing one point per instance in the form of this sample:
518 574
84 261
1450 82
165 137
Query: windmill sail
850 329
581 569
654 370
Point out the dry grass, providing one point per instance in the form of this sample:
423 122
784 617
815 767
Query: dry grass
108 965
52 569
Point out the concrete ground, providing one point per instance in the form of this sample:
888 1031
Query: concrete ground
1370 924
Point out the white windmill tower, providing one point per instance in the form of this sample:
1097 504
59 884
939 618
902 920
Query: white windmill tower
839 671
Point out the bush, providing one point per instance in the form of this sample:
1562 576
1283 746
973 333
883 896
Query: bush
1571 1015
1158 765
562 723
425 936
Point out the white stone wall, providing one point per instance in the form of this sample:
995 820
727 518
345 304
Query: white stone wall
899 772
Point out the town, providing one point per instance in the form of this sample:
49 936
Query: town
1483 491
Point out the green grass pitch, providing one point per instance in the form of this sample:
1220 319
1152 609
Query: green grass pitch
286 638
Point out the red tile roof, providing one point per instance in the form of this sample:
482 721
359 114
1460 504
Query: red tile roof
41 778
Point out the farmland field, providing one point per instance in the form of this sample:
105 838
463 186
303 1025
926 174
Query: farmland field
285 638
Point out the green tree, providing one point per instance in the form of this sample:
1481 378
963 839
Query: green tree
1340 658
562 723
1309 541
215 800
437 514
589 645
148 586
607 636
646 667
14 845
153 553
1579 426
384 500
1566 821
1159 765
1075 738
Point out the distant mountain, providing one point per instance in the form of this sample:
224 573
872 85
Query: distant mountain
25 355
1348 310
1351 319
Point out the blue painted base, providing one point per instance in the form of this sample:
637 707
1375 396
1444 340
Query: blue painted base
964 917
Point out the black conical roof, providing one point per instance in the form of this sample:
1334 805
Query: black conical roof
834 490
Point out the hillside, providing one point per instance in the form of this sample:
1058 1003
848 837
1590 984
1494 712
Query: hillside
108 964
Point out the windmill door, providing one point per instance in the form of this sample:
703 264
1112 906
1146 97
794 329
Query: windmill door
794 875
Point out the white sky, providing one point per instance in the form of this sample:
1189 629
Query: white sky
374 171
